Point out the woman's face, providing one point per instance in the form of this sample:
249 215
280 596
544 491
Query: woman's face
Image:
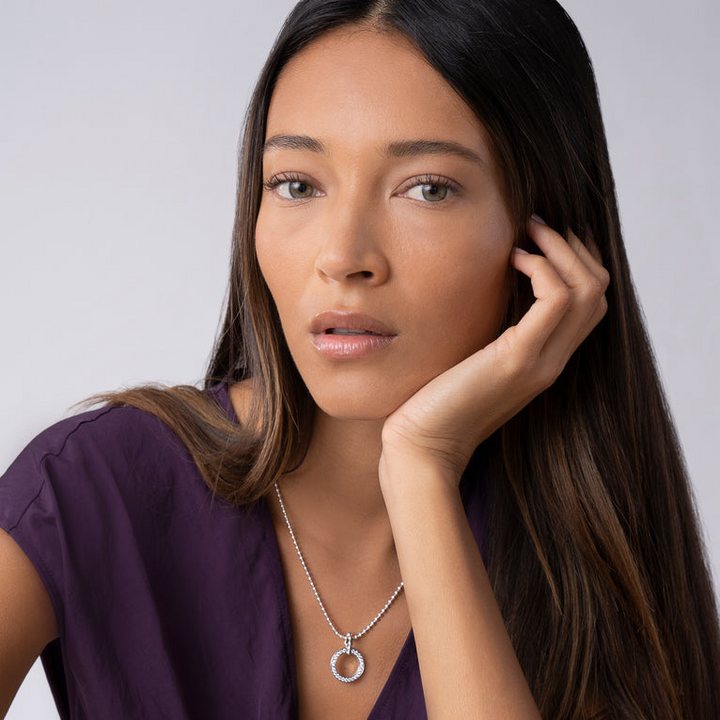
383 233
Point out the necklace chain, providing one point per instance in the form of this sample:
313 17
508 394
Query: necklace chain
357 636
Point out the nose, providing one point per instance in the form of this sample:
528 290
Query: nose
352 248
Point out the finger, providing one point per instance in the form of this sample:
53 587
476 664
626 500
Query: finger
588 305
561 316
589 253
574 263
568 336
571 257
552 301
591 245
584 274
591 292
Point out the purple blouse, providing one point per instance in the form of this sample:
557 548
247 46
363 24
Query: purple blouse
170 603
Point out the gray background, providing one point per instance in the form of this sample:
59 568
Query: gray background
118 139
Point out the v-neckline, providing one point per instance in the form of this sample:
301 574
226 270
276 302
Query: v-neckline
406 661
406 656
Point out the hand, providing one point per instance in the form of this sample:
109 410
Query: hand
452 414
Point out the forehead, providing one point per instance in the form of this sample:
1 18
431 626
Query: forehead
359 86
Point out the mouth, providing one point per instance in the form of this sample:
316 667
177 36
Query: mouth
348 331
348 323
342 335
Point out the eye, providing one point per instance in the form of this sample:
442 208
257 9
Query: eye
295 189
430 189
290 188
431 193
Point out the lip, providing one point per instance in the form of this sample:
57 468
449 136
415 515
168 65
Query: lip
375 336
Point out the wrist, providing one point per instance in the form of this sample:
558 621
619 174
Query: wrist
407 478
403 454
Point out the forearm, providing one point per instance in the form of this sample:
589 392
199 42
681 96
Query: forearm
467 662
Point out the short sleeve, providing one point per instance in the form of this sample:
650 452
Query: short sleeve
170 603
31 508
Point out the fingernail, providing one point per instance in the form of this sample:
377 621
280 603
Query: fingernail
520 251
537 218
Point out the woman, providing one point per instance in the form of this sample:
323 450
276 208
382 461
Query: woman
436 443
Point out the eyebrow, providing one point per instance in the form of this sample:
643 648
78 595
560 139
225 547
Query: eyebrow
293 142
398 149
413 148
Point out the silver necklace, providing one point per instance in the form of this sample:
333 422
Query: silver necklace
348 638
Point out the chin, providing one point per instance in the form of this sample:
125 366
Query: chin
356 409
359 403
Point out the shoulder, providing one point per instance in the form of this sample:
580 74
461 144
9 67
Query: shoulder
93 459
101 434
113 430
108 427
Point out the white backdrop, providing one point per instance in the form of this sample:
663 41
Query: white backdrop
118 137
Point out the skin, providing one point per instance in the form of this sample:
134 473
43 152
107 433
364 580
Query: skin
345 224
376 499
27 618
366 240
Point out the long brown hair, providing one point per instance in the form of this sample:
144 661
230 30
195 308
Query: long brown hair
592 546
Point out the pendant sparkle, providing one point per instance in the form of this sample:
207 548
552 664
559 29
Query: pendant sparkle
347 650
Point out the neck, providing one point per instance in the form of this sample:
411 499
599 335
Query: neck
337 486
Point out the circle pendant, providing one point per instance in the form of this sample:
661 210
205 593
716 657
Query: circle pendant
360 669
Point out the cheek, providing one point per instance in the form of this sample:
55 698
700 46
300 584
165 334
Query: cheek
277 259
465 309
462 286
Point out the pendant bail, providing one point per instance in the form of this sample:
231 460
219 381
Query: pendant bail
348 643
